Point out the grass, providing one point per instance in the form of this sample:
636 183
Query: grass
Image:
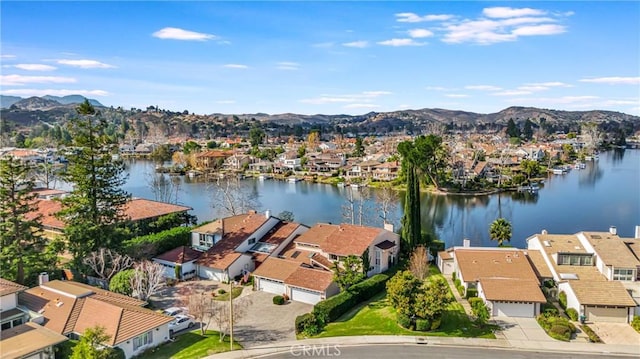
377 317
222 297
190 345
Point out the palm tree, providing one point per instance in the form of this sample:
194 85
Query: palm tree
500 231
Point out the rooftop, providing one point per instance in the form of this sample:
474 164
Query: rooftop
180 255
342 240
612 250
611 293
24 340
476 263
512 290
539 265
8 287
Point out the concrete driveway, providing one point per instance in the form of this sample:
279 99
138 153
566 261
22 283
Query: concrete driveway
616 333
521 329
266 323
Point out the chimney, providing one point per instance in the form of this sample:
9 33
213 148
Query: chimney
637 236
389 227
466 243
544 232
267 214
613 230
43 278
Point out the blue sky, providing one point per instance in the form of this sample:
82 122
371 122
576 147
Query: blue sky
326 57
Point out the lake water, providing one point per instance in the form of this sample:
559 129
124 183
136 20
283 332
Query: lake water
606 193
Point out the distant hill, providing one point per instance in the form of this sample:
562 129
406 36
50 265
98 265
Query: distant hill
33 102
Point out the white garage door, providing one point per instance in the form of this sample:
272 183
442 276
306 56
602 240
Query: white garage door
270 286
305 296
209 273
501 309
612 315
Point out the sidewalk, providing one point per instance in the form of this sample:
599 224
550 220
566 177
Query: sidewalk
527 345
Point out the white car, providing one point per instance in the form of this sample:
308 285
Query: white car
173 311
181 322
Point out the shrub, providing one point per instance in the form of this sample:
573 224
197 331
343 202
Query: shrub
457 282
422 325
453 276
302 321
278 300
309 324
435 324
461 291
635 323
370 287
556 327
572 313
121 282
221 291
153 244
593 337
562 299
471 293
475 302
549 309
404 321
560 332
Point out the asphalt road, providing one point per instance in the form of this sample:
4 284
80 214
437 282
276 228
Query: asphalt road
424 351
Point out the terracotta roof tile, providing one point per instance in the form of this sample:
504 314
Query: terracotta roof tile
512 290
281 232
294 253
25 339
342 240
445 255
475 264
538 264
612 250
276 268
314 279
180 255
611 293
8 287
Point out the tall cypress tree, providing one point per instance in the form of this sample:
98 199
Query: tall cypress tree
94 210
411 226
22 252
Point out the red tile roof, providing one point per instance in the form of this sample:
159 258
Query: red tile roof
294 274
342 240
8 287
475 264
180 255
280 233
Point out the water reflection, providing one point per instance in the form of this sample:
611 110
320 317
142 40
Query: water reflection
589 176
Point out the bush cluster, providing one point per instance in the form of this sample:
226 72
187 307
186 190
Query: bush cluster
471 293
278 300
157 243
556 327
459 286
549 309
562 299
221 291
593 337
422 325
572 313
635 323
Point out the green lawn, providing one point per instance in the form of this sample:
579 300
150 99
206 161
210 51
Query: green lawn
236 292
377 317
190 345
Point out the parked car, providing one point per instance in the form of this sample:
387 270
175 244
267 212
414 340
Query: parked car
180 323
173 311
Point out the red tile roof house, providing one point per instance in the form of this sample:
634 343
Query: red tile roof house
303 269
185 257
232 245
504 278
69 308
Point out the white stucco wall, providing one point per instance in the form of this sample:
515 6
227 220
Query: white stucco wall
572 300
8 302
258 234
243 262
169 270
159 336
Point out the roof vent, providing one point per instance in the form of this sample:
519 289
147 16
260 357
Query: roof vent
59 304
613 230
547 244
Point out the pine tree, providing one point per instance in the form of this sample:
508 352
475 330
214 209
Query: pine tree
22 250
94 210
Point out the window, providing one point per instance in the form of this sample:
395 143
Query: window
142 340
377 258
205 240
6 325
252 241
16 322
575 259
623 274
333 257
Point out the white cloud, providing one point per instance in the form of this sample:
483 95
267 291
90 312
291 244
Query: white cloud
376 93
323 45
512 93
411 17
507 12
287 65
174 33
439 88
363 97
85 64
537 30
562 100
35 67
420 33
616 80
400 42
359 44
483 88
236 66
225 102
361 105
18 80
7 56
550 84
52 92
456 95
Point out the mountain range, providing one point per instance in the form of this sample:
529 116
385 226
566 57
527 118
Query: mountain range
47 101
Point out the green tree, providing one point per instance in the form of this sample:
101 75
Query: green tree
512 129
256 135
500 231
402 291
90 345
22 251
527 131
433 300
121 282
302 150
94 210
358 151
190 147
348 272
161 154
286 216
530 168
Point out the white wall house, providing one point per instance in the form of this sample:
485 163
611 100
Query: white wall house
184 258
144 341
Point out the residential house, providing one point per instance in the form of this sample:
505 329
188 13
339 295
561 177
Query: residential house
363 169
10 315
328 146
69 308
289 160
237 162
387 171
503 277
598 272
182 257
211 160
29 341
303 269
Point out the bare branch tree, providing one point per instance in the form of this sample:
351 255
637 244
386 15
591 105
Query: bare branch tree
386 203
592 136
231 197
199 303
106 263
164 189
419 263
220 313
363 205
348 208
147 279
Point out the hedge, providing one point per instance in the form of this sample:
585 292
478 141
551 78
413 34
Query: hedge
635 323
475 302
471 293
422 325
562 299
405 321
278 300
572 313
157 243
556 327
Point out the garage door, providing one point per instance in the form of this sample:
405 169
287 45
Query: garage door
612 315
210 273
305 296
270 286
502 309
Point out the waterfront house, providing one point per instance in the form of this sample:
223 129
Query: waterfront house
181 261
69 308
597 271
211 160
